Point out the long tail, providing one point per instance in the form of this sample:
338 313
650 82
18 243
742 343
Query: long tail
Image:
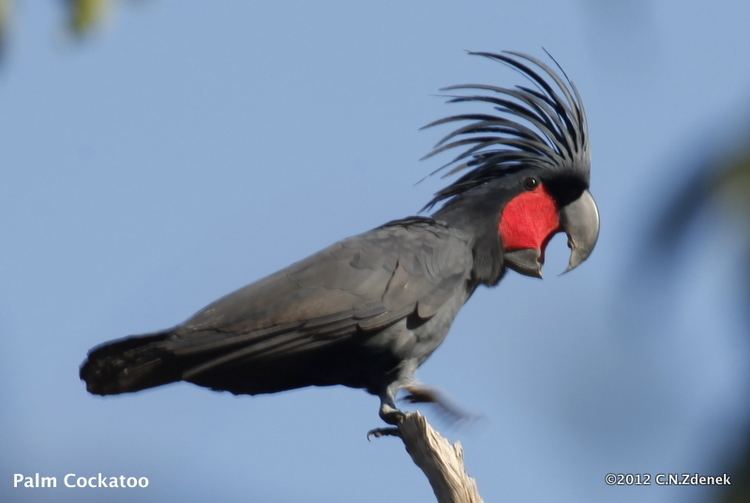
129 364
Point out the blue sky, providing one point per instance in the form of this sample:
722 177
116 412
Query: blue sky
190 149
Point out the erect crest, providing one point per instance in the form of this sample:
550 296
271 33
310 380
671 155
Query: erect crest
543 126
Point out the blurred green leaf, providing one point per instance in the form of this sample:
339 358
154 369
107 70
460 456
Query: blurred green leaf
718 182
4 21
85 15
734 185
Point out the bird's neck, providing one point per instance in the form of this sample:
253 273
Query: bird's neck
481 227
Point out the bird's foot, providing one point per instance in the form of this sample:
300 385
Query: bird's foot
391 415
421 394
418 393
391 431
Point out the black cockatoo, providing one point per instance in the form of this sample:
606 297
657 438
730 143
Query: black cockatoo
367 311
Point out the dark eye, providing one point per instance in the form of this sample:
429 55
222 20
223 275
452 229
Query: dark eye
530 183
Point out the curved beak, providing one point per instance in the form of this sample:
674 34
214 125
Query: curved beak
580 221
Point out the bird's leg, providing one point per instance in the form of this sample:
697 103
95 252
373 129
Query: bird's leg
420 393
389 413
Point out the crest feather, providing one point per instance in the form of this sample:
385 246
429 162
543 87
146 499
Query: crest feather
541 126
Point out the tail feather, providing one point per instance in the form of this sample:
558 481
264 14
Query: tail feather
129 364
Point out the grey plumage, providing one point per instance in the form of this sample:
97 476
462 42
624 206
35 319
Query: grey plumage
368 310
332 302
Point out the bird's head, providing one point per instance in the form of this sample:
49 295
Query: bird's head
525 170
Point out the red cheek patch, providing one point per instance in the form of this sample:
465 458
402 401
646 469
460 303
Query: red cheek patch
529 220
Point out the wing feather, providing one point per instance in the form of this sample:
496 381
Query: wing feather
359 285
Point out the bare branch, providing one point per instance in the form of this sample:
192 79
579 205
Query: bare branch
441 461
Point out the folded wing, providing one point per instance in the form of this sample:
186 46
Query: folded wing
281 330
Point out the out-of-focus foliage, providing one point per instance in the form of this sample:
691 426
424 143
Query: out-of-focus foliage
4 20
85 15
739 491
733 186
721 183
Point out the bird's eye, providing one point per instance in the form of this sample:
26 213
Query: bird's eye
530 183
